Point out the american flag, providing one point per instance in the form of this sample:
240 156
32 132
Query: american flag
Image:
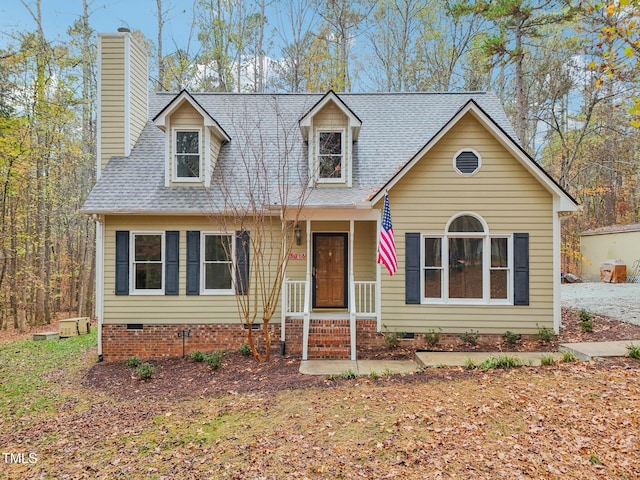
387 244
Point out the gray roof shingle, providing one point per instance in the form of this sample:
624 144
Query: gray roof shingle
395 127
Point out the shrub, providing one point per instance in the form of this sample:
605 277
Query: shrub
244 349
392 339
586 326
214 359
585 315
634 351
511 338
469 364
145 370
432 338
133 362
197 356
568 357
546 360
545 334
470 337
349 374
501 361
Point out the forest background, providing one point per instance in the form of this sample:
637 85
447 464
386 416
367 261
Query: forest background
567 73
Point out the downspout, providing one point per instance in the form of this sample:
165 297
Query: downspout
99 282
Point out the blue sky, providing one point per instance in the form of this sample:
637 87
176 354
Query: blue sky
105 16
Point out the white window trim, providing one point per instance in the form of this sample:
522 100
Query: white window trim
225 291
455 167
132 264
486 266
343 145
174 155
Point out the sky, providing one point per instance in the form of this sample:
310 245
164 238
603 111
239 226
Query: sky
105 16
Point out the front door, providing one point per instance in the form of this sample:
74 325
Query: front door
330 270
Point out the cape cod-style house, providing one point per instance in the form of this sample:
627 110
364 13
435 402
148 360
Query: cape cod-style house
476 220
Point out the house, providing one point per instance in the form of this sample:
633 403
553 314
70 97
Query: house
606 243
475 219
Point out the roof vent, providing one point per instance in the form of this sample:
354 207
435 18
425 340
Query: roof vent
124 30
467 162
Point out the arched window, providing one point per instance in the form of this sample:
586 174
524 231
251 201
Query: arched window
466 264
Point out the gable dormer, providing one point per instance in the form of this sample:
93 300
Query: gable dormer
330 127
193 141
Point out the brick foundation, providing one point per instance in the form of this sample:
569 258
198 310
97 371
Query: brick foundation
120 342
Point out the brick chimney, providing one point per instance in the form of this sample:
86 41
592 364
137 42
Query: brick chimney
122 94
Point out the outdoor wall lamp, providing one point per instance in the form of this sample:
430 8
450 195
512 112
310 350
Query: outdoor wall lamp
297 233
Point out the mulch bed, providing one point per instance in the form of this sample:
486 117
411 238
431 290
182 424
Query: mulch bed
181 378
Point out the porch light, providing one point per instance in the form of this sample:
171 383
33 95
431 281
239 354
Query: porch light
297 233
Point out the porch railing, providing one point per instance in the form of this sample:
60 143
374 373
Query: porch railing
294 299
365 297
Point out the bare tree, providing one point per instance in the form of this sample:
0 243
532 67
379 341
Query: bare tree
261 203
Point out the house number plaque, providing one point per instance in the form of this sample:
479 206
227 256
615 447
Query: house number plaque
297 256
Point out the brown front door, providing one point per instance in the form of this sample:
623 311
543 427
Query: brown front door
330 270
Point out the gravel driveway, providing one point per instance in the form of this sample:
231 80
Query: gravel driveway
617 300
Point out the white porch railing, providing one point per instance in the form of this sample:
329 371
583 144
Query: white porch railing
365 298
294 298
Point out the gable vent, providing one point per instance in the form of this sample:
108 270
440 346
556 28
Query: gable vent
467 162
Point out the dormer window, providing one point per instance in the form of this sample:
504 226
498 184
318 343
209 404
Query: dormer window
330 156
187 164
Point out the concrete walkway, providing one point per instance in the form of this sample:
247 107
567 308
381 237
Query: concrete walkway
582 351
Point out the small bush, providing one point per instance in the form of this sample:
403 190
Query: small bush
244 349
469 364
511 338
586 326
133 362
197 356
392 340
373 375
568 357
145 370
545 334
470 338
214 359
634 351
547 360
501 361
432 338
585 315
349 374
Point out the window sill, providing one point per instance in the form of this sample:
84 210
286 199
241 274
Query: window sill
146 292
218 292
462 302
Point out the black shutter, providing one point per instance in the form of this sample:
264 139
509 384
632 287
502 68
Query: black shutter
171 257
521 269
242 262
122 262
193 263
412 268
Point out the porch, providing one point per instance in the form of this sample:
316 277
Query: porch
331 289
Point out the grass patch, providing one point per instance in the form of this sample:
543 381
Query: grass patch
546 360
27 365
568 357
501 361
634 351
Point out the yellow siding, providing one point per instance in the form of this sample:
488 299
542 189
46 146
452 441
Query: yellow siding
112 97
139 91
161 309
114 83
507 197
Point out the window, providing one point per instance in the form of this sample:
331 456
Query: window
147 262
187 155
330 156
217 259
466 162
466 264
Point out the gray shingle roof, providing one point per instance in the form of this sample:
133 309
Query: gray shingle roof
394 128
